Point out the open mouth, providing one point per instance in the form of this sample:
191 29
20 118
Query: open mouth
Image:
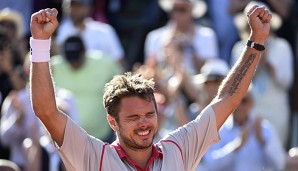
143 133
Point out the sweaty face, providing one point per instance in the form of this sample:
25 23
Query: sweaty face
137 124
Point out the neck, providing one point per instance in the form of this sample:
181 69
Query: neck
79 25
185 27
241 122
141 157
76 65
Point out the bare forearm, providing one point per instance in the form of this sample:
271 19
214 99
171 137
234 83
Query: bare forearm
239 78
42 26
42 89
44 103
234 87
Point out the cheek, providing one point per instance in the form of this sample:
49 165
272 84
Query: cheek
155 120
127 126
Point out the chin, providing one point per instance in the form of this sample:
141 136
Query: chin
145 146
146 143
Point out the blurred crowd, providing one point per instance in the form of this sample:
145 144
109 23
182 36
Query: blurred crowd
186 46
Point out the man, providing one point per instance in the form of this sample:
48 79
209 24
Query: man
84 73
247 143
195 42
208 81
132 112
96 35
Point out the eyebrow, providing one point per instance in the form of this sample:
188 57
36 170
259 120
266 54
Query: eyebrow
134 115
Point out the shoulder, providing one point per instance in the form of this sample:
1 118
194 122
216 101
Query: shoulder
97 57
65 24
99 26
157 32
205 31
279 42
75 135
207 111
57 60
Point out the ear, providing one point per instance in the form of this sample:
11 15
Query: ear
112 122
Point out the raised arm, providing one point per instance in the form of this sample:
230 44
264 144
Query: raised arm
43 24
235 85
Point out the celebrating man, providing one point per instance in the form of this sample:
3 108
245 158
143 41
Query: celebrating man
132 111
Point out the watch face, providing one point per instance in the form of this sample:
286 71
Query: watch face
253 44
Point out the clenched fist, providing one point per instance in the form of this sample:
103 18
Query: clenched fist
259 21
44 23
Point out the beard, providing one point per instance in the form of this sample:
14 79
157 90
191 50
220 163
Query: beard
131 143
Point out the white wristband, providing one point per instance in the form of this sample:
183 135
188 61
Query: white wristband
40 50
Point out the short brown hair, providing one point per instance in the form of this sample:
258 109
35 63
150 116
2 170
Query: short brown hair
124 86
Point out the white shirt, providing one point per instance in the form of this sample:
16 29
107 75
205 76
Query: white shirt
251 156
180 150
204 44
96 36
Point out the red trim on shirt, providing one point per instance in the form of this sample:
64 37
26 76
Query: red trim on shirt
155 154
102 154
175 144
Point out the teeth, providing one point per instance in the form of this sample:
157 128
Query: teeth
143 133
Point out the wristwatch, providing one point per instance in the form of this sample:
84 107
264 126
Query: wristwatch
256 46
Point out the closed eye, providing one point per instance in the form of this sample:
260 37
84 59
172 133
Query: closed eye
150 115
133 117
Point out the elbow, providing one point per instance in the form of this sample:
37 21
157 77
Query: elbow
36 109
41 112
231 102
235 103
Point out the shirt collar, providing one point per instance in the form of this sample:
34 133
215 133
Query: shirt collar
155 152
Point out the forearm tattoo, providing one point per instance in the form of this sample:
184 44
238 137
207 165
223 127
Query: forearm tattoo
242 72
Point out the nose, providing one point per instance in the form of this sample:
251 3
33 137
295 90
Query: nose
144 121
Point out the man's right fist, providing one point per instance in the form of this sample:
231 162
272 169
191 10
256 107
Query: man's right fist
44 23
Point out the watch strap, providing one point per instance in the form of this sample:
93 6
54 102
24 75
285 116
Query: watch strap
256 46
